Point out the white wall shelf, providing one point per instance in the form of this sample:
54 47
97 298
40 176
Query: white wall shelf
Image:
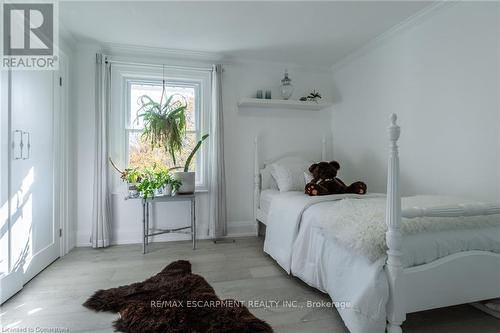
282 104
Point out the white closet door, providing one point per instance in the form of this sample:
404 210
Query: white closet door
10 281
34 236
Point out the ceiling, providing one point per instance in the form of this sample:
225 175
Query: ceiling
304 33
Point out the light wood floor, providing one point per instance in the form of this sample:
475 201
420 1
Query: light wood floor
236 270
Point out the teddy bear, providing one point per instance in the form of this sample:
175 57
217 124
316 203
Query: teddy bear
325 181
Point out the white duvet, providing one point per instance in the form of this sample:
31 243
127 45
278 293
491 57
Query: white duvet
284 217
338 246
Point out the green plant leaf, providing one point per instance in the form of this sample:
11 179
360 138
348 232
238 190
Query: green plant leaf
193 152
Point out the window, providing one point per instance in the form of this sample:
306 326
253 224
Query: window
139 153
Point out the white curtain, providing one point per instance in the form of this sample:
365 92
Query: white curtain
218 175
101 209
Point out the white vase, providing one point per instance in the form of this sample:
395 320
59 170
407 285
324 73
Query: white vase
188 181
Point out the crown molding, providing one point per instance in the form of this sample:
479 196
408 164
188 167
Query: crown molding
137 51
252 62
410 22
158 52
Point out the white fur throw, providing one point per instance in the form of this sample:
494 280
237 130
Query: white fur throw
359 224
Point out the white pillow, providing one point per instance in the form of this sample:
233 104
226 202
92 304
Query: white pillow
289 175
267 181
308 177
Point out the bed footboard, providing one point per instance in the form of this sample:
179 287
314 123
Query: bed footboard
456 279
459 278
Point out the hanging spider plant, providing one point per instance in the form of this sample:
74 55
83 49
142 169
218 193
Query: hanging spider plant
164 122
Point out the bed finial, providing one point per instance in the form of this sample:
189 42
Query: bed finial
394 118
394 129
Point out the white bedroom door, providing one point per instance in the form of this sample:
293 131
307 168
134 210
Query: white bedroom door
33 236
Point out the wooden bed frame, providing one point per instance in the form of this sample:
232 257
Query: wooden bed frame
460 278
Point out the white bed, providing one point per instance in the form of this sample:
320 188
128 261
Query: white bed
265 198
346 276
420 271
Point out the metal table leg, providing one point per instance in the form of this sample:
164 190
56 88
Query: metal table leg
193 222
143 226
147 223
146 217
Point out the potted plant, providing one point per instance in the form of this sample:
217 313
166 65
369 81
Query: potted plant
158 181
149 182
165 183
175 185
148 185
164 122
186 177
132 176
161 178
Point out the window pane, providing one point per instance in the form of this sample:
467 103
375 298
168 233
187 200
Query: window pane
141 154
154 91
136 91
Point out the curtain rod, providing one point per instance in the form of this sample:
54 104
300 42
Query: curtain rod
194 68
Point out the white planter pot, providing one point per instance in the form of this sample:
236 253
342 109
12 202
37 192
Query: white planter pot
158 192
188 181
132 190
167 189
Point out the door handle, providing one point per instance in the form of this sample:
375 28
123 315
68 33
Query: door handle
28 145
19 135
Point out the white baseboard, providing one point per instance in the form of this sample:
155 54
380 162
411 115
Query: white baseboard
132 237
234 229
82 239
240 229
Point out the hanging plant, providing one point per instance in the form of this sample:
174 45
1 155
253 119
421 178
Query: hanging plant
164 121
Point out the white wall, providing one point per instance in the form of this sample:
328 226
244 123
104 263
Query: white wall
441 76
280 130
84 144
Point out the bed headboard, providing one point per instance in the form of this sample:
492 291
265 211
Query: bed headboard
262 171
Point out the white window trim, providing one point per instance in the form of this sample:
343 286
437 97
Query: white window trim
122 76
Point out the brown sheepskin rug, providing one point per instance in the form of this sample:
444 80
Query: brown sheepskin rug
174 300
